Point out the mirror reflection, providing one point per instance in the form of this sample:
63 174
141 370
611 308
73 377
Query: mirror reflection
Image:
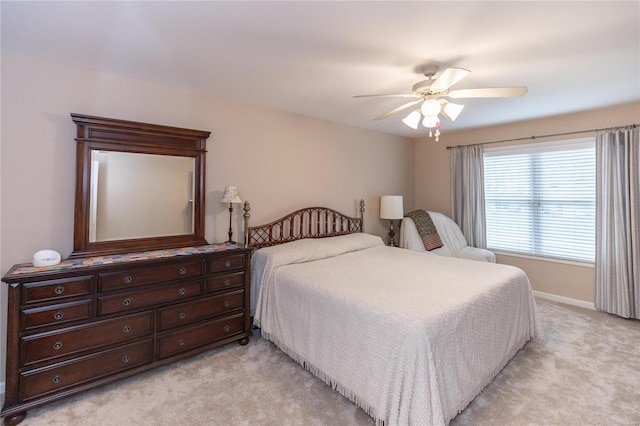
140 195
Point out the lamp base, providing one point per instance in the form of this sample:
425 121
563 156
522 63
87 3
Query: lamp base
230 228
392 234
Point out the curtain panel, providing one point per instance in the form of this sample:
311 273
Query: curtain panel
617 268
467 193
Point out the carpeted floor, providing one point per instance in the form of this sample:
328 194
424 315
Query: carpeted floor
587 373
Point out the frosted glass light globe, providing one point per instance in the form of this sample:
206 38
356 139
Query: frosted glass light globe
430 108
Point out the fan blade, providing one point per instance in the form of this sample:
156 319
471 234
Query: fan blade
400 108
489 92
404 95
448 78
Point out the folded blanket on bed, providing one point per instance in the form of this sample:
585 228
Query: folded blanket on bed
426 229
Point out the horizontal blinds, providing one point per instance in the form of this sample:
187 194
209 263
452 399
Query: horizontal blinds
540 199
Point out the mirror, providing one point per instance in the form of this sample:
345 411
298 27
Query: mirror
146 184
138 186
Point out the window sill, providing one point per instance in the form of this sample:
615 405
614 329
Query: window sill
546 259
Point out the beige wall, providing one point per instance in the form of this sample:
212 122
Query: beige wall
279 161
433 184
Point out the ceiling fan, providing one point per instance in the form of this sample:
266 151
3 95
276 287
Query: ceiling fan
432 93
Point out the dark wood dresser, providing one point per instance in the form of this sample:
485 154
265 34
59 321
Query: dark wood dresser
90 321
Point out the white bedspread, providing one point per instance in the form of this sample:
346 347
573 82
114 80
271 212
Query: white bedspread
410 337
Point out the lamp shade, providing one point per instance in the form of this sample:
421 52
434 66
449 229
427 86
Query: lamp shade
431 108
391 207
230 195
452 111
413 119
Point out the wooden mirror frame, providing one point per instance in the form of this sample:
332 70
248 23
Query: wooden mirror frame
98 133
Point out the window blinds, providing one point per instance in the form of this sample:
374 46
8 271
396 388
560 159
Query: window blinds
540 199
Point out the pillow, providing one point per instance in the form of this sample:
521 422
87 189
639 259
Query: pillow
426 229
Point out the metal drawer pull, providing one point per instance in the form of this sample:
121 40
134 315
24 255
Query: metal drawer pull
226 328
226 304
182 315
180 342
128 279
182 291
57 345
59 289
57 378
125 358
182 271
227 283
58 315
126 302
126 329
227 263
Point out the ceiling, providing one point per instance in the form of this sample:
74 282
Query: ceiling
310 58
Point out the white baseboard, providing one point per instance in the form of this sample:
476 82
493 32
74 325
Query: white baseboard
566 300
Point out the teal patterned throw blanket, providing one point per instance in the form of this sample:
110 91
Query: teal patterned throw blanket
426 229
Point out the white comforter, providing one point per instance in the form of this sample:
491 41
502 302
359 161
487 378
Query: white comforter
410 337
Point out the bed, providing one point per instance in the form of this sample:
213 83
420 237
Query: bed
409 337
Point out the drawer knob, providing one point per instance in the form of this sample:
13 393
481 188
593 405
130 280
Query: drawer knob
227 283
126 329
226 328
182 315
180 342
128 279
57 378
57 345
226 304
182 292
58 315
126 302
59 289
227 263
125 358
182 271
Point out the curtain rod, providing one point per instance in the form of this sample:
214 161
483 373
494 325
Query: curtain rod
633 126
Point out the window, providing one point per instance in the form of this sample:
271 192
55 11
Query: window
540 199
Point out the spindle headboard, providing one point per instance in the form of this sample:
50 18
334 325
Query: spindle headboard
309 222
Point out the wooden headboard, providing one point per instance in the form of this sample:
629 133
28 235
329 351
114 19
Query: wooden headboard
310 222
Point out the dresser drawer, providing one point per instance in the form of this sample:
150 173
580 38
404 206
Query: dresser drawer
55 314
199 335
224 282
84 369
70 340
56 289
227 263
150 275
146 298
190 312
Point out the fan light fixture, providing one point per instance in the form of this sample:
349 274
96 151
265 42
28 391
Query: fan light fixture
431 93
430 109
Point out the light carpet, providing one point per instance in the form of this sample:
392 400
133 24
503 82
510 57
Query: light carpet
587 373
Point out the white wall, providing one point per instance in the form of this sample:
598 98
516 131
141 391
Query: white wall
279 161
